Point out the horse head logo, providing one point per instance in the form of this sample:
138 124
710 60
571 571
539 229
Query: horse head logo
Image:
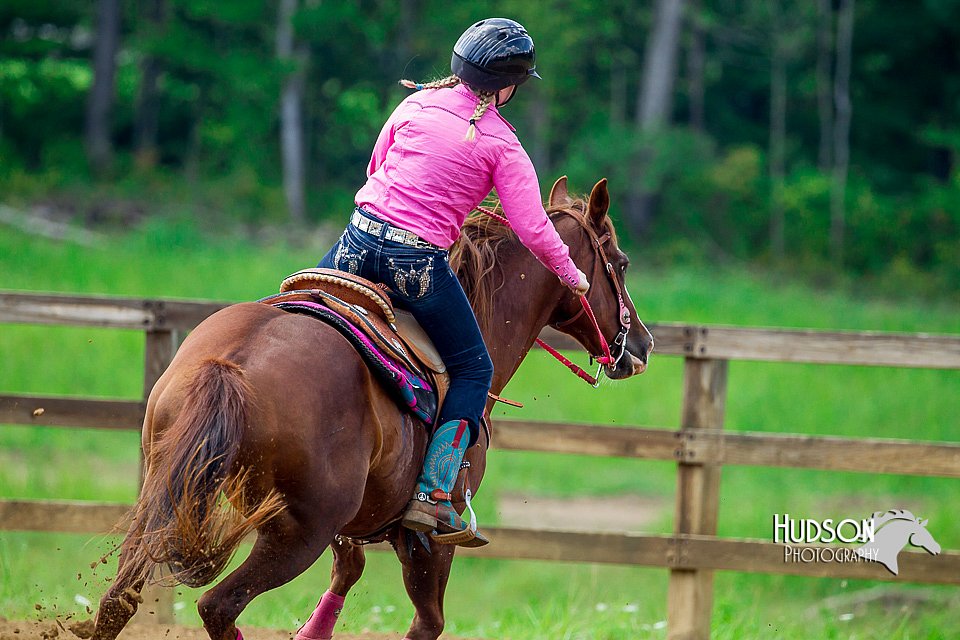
892 530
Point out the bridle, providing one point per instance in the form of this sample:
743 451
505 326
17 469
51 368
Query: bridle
606 358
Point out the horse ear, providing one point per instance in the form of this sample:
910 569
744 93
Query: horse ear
923 523
558 193
599 203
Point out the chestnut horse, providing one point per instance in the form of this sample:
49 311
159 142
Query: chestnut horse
279 414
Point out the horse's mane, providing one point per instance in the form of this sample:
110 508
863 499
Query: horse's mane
481 241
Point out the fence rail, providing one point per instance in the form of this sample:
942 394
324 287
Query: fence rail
927 351
510 543
700 447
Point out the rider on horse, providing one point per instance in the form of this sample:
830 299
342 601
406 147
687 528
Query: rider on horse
424 177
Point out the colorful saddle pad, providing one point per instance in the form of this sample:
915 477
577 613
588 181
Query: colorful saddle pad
392 344
412 391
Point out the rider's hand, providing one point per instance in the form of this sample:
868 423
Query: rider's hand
582 285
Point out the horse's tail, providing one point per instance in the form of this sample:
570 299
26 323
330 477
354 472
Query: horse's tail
181 518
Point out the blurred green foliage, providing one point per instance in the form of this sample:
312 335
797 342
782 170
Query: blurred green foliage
219 81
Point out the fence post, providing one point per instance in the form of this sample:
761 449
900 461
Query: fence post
690 593
161 346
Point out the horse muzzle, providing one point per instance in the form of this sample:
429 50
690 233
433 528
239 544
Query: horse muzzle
628 365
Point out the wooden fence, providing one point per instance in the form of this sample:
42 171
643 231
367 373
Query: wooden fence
700 447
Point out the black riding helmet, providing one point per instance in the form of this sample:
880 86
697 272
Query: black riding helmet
493 54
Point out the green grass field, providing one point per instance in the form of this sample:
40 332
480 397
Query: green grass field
507 599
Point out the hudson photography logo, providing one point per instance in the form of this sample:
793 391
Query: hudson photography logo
880 538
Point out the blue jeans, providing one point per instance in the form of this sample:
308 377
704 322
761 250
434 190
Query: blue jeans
423 283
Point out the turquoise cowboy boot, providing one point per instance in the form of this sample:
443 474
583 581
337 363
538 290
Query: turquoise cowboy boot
431 509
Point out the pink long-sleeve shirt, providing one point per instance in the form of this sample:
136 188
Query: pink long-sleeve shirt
425 178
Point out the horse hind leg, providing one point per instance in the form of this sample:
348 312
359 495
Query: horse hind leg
348 563
121 600
116 608
284 549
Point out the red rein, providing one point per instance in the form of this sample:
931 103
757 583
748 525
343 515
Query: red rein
564 361
605 359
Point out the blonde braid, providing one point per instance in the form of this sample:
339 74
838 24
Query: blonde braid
442 83
486 99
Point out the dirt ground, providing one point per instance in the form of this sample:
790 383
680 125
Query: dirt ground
73 630
608 513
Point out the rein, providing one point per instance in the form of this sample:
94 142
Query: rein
607 357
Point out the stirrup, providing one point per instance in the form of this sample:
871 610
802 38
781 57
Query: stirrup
469 537
466 538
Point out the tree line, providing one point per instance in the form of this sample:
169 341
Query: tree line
818 133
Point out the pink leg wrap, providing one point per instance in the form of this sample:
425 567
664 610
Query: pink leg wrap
239 635
321 622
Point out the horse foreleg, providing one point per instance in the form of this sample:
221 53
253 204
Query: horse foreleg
425 575
284 549
348 563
